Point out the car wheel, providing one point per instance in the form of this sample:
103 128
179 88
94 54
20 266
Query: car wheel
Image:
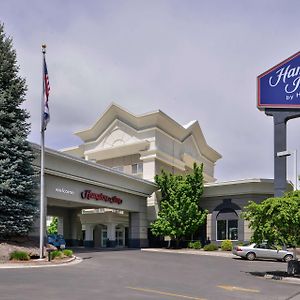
288 258
250 256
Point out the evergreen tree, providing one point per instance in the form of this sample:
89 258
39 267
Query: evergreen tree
179 213
18 204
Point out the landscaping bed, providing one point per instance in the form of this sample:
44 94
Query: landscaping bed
25 250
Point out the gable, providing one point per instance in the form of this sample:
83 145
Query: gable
115 135
191 148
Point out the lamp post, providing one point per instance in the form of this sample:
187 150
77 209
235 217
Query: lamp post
289 153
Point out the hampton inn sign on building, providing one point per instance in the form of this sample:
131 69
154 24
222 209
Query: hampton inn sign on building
103 190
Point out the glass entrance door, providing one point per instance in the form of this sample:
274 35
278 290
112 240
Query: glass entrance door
120 237
103 237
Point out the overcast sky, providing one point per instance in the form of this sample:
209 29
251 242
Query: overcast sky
194 60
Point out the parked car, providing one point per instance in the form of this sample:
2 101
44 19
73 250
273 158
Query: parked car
57 240
263 250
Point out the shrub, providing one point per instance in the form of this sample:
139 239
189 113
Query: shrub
19 255
68 252
226 245
197 245
190 245
56 254
211 247
194 245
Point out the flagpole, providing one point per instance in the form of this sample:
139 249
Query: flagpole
42 186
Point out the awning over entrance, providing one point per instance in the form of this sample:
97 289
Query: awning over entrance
72 184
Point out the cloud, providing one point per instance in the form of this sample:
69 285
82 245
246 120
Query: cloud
191 59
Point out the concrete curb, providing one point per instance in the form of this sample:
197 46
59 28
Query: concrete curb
295 280
42 264
191 252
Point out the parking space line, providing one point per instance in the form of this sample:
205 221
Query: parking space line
163 293
238 289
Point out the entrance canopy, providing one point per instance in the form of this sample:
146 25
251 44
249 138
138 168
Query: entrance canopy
73 182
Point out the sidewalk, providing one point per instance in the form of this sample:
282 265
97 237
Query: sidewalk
219 253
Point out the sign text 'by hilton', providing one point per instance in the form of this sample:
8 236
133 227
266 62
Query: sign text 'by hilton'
279 87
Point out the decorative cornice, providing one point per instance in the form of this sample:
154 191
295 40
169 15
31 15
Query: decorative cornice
149 120
239 187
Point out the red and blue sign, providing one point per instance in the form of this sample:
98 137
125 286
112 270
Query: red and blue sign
279 87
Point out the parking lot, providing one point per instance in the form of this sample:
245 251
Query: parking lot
133 274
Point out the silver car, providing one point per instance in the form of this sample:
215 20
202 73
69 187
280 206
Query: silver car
263 250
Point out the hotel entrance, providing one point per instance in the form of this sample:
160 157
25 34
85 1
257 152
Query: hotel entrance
96 200
120 236
104 238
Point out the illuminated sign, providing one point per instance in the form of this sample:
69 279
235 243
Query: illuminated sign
89 195
279 87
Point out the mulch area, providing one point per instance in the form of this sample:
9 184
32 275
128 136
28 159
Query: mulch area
20 244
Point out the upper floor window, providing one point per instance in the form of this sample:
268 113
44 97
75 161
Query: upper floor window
137 168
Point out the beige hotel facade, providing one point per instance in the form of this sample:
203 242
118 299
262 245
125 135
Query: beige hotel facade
103 190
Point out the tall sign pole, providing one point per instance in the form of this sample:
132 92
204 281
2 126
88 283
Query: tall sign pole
280 119
278 94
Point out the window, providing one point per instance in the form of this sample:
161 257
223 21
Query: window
227 225
137 168
221 230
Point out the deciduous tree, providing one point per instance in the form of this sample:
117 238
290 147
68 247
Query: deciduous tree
52 229
179 213
276 219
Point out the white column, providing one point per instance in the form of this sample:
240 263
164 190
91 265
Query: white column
89 232
76 228
111 231
148 169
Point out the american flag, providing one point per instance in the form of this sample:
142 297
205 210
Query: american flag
46 90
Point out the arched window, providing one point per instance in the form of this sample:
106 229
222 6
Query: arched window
227 225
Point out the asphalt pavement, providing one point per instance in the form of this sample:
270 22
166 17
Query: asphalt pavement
136 274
